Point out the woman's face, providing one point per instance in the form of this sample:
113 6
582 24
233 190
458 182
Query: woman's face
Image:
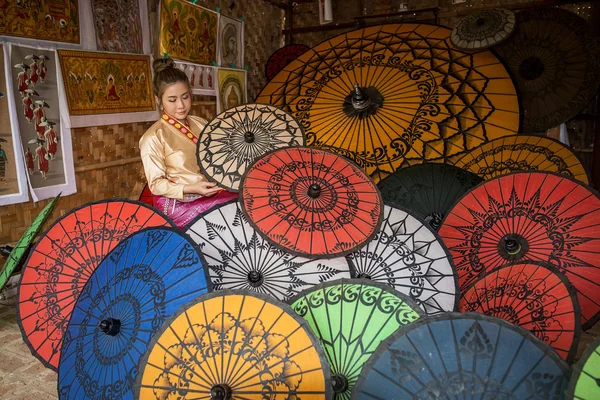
177 100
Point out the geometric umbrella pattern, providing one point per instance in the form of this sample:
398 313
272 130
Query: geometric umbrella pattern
585 379
234 344
522 153
463 356
350 317
553 56
231 142
62 261
483 29
20 250
399 93
533 297
409 256
238 258
529 216
429 190
137 287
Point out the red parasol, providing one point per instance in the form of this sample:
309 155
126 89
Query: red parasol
529 216
311 202
62 261
535 297
146 196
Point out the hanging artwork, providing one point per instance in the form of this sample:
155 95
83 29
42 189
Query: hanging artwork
232 89
188 32
47 153
118 26
231 43
202 77
55 20
12 180
103 83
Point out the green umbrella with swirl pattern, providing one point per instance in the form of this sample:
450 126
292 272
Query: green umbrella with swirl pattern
350 318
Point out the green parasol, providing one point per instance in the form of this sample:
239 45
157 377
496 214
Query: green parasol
585 379
21 248
350 318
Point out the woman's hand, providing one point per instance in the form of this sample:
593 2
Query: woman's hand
204 188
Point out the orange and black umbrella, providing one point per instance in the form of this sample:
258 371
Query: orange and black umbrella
535 297
522 153
234 344
62 261
282 57
392 94
529 217
311 202
232 141
553 56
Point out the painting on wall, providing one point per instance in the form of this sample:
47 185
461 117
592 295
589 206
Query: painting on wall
188 32
104 83
232 88
231 43
118 26
54 20
12 180
202 77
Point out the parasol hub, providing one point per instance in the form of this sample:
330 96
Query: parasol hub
434 220
220 392
339 383
480 21
360 101
531 68
314 191
364 275
249 137
110 326
255 278
513 246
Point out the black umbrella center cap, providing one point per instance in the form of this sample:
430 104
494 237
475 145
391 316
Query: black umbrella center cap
480 21
362 102
314 191
513 246
339 383
255 278
531 68
249 137
220 392
363 275
110 326
434 220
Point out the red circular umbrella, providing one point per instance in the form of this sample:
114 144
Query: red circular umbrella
529 216
62 261
311 202
535 297
282 57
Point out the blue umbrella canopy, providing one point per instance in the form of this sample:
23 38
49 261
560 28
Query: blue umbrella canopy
133 291
462 356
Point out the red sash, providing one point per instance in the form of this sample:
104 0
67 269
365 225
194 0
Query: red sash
183 128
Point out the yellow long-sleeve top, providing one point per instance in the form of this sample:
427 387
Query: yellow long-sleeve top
169 158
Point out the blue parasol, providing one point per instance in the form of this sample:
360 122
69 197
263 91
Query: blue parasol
133 291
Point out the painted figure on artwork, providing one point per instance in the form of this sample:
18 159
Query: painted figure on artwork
50 138
229 45
233 98
33 69
111 90
141 80
75 86
28 104
39 116
22 78
193 78
42 67
29 161
90 86
3 161
210 78
41 155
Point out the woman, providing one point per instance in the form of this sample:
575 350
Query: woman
168 150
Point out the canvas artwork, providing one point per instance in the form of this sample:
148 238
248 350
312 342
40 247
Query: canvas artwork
202 77
103 83
231 42
36 95
118 26
55 20
9 180
188 32
232 88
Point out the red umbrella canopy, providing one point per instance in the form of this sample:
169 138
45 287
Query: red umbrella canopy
534 297
146 196
529 216
62 261
311 202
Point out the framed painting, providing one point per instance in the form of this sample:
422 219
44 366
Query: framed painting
231 43
105 83
232 88
118 26
202 77
54 20
188 32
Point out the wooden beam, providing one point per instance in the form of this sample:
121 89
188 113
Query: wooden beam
108 164
276 3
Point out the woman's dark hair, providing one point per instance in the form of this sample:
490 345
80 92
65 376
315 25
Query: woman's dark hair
166 74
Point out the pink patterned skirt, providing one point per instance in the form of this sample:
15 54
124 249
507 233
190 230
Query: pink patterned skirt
183 212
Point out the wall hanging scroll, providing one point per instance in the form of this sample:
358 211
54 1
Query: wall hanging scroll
232 89
118 26
231 43
202 77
